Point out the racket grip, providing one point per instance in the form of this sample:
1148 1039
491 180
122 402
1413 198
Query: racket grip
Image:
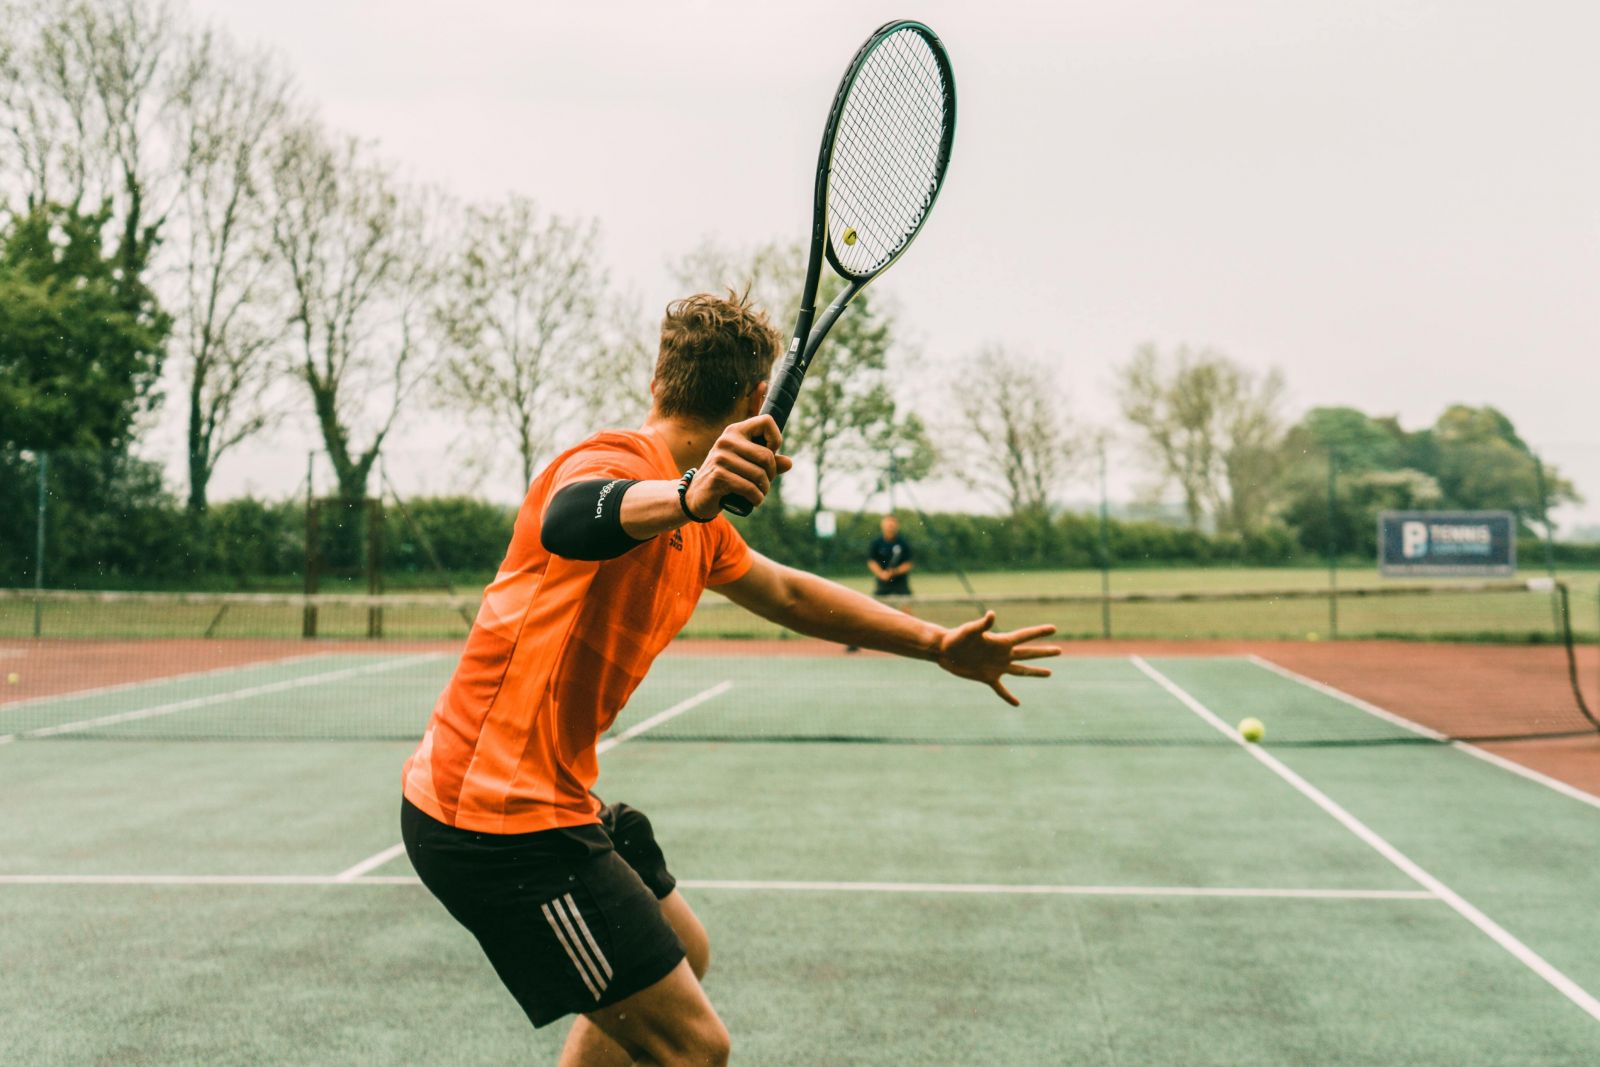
733 501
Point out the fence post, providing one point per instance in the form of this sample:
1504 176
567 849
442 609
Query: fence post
1105 554
1333 544
38 547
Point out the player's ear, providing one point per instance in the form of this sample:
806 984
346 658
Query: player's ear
757 397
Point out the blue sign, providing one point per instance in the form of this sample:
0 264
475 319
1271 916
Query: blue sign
1479 543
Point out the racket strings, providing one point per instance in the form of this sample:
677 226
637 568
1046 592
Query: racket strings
888 156
883 185
890 195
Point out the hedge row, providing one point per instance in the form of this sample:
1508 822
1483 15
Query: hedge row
147 539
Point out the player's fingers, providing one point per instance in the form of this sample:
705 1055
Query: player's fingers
1031 633
975 626
1034 651
743 468
1005 694
751 452
1028 672
725 481
784 463
766 427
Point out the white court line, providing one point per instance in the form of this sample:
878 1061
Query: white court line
975 889
378 859
1502 937
371 863
221 698
1564 788
119 687
1061 890
660 717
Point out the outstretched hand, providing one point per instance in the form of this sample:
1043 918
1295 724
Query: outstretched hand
971 651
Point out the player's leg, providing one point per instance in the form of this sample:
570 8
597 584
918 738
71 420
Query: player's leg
671 1023
634 839
587 1044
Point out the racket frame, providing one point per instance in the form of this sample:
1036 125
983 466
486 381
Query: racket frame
809 331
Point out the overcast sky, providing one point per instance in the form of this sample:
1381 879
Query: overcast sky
1396 202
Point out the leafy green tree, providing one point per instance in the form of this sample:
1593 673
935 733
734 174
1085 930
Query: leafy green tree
1361 443
1480 461
80 338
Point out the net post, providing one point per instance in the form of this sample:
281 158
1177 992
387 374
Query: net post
43 459
1568 640
1544 517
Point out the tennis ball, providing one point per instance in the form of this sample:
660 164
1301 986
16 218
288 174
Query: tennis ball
1312 635
13 678
850 237
1251 729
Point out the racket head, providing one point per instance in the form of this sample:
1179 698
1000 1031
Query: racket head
886 148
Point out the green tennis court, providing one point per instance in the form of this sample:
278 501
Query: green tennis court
894 869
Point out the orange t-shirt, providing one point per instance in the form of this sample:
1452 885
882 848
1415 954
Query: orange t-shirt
556 650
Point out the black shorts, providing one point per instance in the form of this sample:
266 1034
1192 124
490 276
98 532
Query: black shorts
567 923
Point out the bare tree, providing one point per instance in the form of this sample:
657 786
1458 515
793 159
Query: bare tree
86 87
1018 441
522 312
1209 425
354 247
225 299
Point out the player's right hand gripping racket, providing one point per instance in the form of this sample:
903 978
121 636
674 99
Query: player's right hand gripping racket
884 154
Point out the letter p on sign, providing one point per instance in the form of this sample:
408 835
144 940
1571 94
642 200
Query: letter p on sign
1413 539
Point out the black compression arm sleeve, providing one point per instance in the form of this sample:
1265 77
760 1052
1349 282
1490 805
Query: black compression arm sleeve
584 521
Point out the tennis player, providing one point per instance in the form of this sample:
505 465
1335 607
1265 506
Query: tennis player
570 898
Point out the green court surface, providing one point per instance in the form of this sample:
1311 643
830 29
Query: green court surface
894 868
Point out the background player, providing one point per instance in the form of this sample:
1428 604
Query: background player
889 558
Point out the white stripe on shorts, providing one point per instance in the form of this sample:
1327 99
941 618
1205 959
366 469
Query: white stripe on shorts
587 936
572 935
573 956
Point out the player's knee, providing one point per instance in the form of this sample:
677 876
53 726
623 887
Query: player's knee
714 1047
704 1044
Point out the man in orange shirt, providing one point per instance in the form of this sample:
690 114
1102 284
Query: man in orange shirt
617 538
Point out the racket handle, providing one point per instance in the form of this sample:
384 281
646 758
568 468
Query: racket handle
733 501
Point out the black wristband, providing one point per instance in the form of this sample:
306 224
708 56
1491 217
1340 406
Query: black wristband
683 495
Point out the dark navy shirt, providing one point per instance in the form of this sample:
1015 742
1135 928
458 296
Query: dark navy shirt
889 555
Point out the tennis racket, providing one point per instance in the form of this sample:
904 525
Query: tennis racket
884 154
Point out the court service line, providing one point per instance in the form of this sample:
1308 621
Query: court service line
609 743
1564 788
378 859
1493 930
757 886
221 698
